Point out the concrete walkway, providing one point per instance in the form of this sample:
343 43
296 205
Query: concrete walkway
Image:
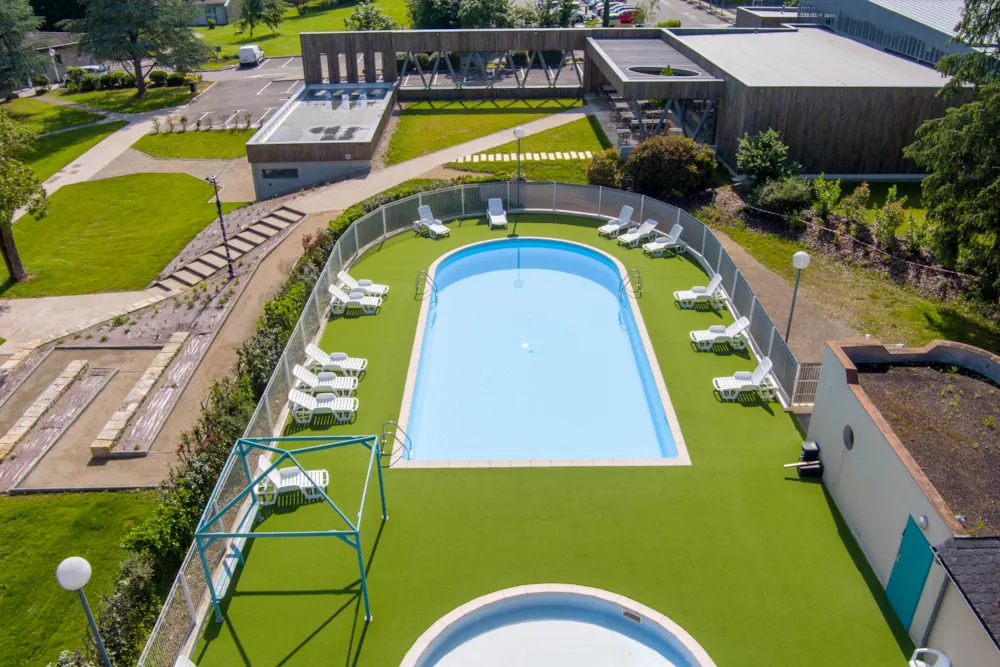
97 158
339 196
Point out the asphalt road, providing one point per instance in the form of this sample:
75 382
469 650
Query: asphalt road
690 17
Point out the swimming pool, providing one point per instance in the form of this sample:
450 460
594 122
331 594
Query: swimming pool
555 625
531 351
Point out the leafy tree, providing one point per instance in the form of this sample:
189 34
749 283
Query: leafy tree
433 14
19 187
961 154
670 166
556 13
301 6
605 169
141 35
366 16
17 61
917 234
267 12
645 11
53 11
606 14
523 16
484 13
826 195
764 157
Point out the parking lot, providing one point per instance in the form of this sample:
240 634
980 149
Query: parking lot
228 101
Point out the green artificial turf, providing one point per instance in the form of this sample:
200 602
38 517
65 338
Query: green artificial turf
195 145
109 235
43 116
426 127
755 564
585 134
125 101
36 533
320 16
54 151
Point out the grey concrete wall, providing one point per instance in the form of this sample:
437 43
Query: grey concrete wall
311 174
959 634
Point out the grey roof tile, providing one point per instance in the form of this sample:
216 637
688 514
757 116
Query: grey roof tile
974 565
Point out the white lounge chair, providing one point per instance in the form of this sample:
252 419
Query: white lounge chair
343 302
633 237
734 334
617 226
342 385
928 657
671 241
304 406
363 285
334 362
288 479
495 215
731 387
698 294
429 224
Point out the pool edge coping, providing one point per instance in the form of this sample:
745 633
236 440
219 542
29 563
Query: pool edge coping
396 460
438 627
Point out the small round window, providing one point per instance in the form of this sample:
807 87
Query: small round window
849 438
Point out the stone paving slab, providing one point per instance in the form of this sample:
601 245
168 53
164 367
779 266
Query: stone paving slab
21 427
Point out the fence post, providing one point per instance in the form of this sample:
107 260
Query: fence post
771 343
288 375
508 198
385 226
679 220
270 420
642 207
187 596
553 196
753 306
704 239
357 241
600 197
718 262
736 279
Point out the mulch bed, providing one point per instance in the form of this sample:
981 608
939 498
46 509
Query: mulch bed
948 418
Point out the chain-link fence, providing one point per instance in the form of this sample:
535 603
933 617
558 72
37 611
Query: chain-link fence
187 605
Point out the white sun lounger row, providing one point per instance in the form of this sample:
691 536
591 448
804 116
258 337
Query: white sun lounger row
304 407
311 383
287 479
334 362
363 285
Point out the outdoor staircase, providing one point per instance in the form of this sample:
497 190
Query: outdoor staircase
243 242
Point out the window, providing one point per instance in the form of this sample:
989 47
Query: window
280 173
849 437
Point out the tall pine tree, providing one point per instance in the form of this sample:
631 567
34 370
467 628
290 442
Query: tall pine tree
18 60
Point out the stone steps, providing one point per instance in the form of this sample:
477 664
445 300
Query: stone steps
526 157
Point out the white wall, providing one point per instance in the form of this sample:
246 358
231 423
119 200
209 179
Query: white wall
958 633
310 174
873 489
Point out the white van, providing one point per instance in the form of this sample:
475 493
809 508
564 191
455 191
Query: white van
251 54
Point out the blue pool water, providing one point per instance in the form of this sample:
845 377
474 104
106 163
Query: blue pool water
528 353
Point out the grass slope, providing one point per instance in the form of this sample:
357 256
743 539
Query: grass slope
425 127
53 152
36 533
285 41
109 235
44 116
125 101
192 145
750 561
585 134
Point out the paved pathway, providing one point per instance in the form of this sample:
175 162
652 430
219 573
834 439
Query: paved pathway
131 161
339 196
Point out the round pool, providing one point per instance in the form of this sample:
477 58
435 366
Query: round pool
555 625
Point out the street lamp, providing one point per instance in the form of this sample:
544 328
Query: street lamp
55 70
519 133
73 574
800 261
214 180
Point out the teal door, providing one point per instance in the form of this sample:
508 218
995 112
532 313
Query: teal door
906 583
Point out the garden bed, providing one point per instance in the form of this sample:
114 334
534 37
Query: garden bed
947 417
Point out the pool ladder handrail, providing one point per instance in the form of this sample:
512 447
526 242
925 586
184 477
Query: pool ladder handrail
406 441
428 281
626 283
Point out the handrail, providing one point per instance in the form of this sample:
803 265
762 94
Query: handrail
427 281
392 434
627 281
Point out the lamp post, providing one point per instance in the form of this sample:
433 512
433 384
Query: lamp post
214 180
800 261
519 133
55 70
73 574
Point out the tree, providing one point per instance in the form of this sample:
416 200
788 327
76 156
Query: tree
484 13
366 16
267 12
556 13
154 33
19 187
670 166
764 157
18 61
606 15
301 6
433 14
523 16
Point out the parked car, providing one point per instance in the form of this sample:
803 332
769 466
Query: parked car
614 4
94 69
251 54
627 17
578 17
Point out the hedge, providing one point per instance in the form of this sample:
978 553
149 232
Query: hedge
155 548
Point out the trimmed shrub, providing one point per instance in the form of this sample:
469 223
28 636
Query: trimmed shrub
605 168
670 166
764 157
788 196
176 79
669 23
826 194
89 82
854 206
39 80
210 23
889 218
74 76
158 77
108 81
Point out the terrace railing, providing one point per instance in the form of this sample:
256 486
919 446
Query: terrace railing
187 607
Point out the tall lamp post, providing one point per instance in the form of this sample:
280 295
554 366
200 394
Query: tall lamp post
519 133
214 180
800 261
73 574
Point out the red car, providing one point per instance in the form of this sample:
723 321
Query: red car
627 17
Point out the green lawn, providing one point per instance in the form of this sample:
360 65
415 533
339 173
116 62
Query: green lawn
285 41
425 127
36 533
756 565
53 152
219 63
192 145
110 235
46 117
585 134
125 101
